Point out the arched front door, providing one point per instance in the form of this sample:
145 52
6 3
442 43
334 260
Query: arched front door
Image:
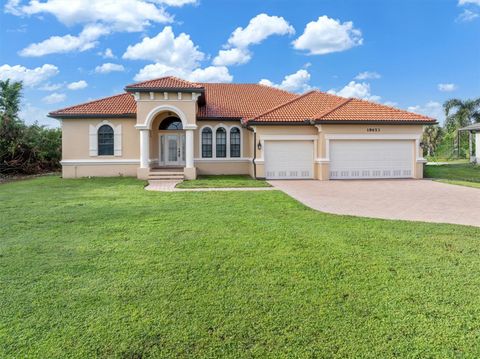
171 142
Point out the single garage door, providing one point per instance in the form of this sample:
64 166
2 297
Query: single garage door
371 159
288 159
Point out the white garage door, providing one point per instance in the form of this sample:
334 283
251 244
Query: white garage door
371 159
288 159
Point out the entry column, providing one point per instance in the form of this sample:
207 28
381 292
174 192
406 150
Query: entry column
144 147
189 171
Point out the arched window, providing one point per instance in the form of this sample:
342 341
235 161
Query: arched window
207 142
105 141
171 123
221 143
234 142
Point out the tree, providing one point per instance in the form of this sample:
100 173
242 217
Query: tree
466 112
432 137
24 149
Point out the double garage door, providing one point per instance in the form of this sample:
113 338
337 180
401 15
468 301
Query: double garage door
349 159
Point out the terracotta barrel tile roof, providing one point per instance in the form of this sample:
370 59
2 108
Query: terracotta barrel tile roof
301 108
169 82
240 100
252 103
118 105
358 110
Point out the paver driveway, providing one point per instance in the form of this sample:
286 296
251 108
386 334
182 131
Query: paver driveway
415 200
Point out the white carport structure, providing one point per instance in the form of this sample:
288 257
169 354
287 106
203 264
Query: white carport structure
473 150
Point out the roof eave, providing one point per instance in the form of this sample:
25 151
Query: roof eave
380 122
91 115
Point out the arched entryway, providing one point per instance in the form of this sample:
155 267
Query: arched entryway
171 142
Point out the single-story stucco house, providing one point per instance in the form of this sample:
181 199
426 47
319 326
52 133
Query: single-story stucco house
172 128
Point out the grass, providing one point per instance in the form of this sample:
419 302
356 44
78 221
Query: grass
224 181
461 183
102 268
465 172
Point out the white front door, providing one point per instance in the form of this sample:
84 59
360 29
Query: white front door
288 159
172 149
362 159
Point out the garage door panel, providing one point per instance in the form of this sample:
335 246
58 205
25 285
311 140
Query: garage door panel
371 159
288 159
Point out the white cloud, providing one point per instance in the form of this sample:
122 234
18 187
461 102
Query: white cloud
31 114
167 49
107 15
327 35
86 40
54 98
432 109
467 16
447 87
359 90
51 87
29 77
118 15
177 3
368 75
233 56
465 2
11 7
296 82
107 54
391 103
258 29
109 67
209 74
77 85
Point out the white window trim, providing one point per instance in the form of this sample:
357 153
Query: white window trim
214 141
241 141
200 142
117 138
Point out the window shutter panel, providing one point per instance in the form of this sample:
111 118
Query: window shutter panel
117 140
93 147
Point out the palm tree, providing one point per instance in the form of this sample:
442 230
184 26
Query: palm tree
432 137
466 113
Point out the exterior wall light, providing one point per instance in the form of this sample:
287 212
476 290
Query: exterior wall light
259 146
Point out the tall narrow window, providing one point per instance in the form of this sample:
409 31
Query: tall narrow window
221 143
234 142
207 142
105 141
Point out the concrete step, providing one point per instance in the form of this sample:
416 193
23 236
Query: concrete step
153 178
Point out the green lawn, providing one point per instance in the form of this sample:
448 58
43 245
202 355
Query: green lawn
225 181
102 268
458 172
461 183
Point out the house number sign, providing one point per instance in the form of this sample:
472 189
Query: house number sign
373 129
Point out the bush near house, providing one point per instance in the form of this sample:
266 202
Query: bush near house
24 149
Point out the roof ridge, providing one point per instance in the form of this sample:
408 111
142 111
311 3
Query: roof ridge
334 108
90 102
185 82
284 103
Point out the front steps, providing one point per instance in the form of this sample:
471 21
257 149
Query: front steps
166 174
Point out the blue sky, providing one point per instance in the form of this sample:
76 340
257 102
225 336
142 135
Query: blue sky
410 54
